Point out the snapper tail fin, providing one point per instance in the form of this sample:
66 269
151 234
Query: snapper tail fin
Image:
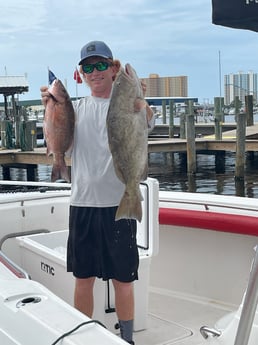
60 170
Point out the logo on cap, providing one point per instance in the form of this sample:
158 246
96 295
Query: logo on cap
91 48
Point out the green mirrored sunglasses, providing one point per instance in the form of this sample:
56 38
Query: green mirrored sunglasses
100 66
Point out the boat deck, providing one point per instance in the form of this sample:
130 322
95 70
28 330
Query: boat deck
173 320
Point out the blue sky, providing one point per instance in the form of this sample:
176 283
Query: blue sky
170 38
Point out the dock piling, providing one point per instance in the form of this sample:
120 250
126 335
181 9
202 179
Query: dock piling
164 111
249 110
191 149
171 119
240 145
182 126
218 117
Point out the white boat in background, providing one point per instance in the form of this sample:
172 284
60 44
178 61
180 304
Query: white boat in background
198 281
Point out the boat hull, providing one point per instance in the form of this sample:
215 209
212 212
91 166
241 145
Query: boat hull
206 248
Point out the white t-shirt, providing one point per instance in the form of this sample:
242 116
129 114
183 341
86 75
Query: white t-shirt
94 182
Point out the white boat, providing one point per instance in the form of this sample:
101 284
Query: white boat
32 314
198 283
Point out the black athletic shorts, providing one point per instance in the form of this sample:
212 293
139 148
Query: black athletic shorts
99 246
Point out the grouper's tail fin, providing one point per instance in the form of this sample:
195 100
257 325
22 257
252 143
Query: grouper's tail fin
130 205
60 170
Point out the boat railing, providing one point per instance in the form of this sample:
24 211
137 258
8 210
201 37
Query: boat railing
55 185
21 233
13 267
21 191
31 197
249 305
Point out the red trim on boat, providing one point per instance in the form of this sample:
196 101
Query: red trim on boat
233 223
11 267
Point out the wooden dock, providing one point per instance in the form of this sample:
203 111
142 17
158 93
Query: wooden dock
38 155
201 129
180 145
16 157
207 143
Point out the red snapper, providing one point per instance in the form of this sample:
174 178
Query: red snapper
58 128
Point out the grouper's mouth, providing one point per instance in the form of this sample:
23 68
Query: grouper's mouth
128 71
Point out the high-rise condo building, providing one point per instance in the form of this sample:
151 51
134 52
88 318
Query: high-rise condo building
240 84
166 86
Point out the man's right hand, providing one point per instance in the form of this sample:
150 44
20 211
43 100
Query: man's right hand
44 95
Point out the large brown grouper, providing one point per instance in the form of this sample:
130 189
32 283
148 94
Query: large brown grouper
58 128
128 140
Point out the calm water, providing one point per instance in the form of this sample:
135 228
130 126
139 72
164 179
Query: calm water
170 170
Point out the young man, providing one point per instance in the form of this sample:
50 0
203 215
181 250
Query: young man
99 246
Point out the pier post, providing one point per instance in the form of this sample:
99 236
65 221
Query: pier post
220 162
191 149
171 119
249 110
31 172
6 172
237 106
28 135
182 126
240 146
164 111
218 105
6 134
249 117
240 187
16 123
191 183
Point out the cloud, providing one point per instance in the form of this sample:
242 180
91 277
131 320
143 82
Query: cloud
20 16
165 37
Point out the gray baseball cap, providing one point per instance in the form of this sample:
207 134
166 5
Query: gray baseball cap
95 48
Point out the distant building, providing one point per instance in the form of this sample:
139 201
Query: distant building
240 84
166 86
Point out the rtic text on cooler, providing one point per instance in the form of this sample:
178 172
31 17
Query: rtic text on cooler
47 268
